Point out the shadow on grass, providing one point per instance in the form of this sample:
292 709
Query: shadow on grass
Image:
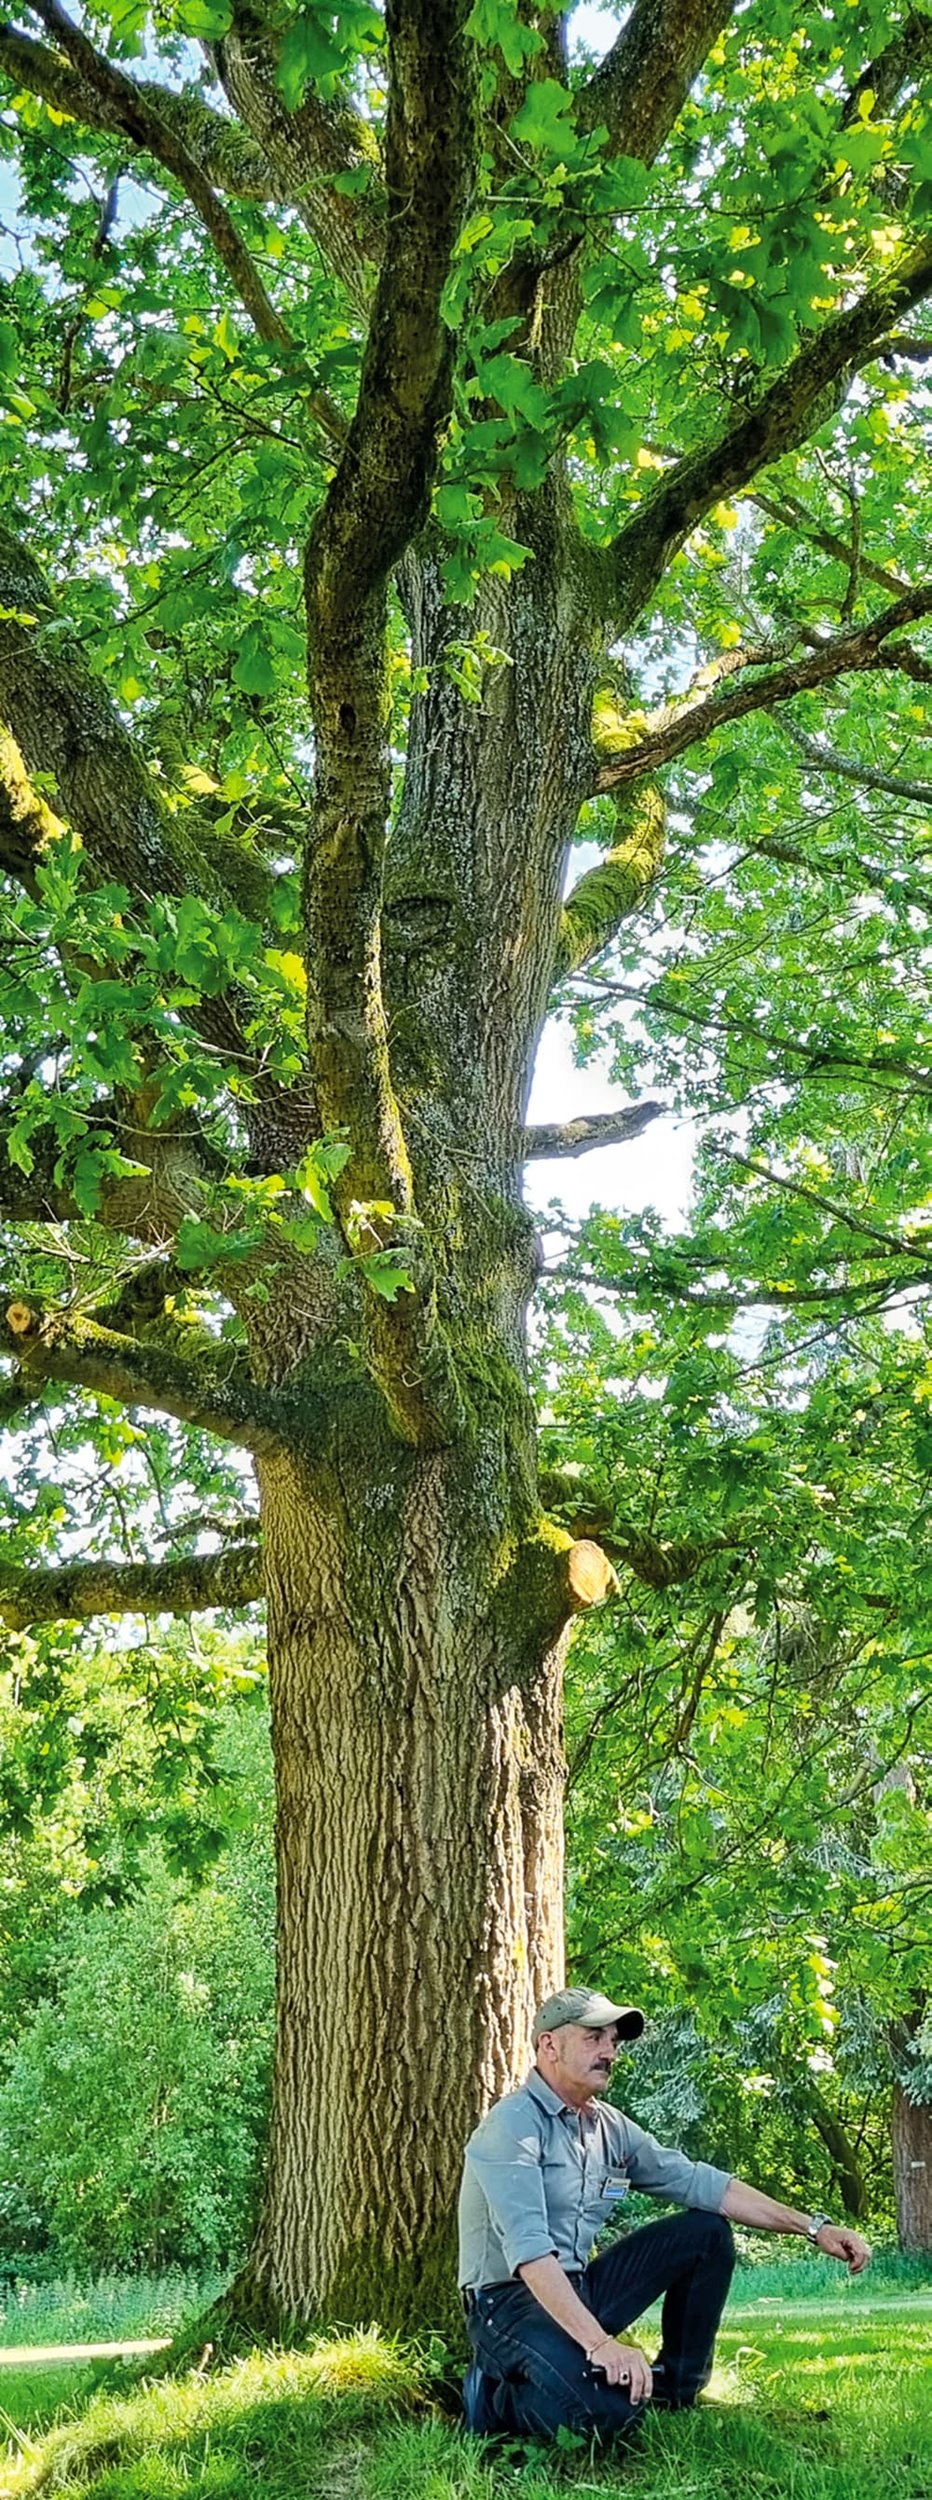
31 2400
268 2425
355 2418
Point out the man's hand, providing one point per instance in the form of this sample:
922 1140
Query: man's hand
834 2240
742 2203
623 2365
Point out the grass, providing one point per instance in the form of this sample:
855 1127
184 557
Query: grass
115 2308
798 2273
808 2403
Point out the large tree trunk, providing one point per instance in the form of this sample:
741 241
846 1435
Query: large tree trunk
912 2171
415 1687
418 1602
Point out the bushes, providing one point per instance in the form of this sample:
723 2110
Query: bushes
132 2115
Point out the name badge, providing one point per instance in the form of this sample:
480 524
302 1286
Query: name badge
615 2186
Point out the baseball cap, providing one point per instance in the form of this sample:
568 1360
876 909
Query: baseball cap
586 2006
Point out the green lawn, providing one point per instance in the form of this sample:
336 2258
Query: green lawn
813 2400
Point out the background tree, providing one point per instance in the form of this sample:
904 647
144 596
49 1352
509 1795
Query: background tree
749 1736
461 346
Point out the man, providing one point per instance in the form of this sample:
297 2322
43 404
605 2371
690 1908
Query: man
544 2171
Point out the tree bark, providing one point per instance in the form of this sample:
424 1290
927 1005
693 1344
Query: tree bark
419 1601
415 1695
911 2126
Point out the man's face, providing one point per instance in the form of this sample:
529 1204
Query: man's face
578 2061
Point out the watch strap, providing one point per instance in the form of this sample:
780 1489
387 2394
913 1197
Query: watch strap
814 2225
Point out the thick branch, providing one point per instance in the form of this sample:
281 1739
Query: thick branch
28 826
807 391
659 1562
609 893
61 1346
637 94
134 113
603 1128
65 723
914 664
73 1592
374 506
306 150
228 158
173 1168
379 496
684 724
640 88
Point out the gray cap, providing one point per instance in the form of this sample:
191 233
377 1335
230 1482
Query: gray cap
586 2006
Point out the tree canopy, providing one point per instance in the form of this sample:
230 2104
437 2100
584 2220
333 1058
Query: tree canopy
429 440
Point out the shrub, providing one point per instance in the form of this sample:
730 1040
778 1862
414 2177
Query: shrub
133 2111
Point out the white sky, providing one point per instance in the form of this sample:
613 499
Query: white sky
654 1170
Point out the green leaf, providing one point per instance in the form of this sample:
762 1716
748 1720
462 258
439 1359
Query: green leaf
254 670
87 1179
206 21
226 338
200 1245
19 1151
310 55
387 1274
544 120
496 23
510 381
310 1180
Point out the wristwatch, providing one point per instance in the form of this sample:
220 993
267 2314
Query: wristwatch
815 2225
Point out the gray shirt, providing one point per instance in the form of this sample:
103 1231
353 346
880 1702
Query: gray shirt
540 2180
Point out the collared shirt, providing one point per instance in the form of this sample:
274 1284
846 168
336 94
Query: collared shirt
541 2179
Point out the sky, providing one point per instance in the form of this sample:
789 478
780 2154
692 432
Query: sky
654 1170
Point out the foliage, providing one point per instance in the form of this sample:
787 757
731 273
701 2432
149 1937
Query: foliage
105 1750
750 1767
133 2110
108 2309
384 388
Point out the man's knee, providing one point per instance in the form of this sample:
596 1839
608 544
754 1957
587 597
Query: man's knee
710 2231
722 2239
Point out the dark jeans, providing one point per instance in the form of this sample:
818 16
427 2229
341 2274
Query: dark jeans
542 2378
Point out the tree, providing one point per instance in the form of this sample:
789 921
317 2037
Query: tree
749 1734
132 2111
473 341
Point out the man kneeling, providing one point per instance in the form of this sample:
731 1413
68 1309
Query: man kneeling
543 2172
